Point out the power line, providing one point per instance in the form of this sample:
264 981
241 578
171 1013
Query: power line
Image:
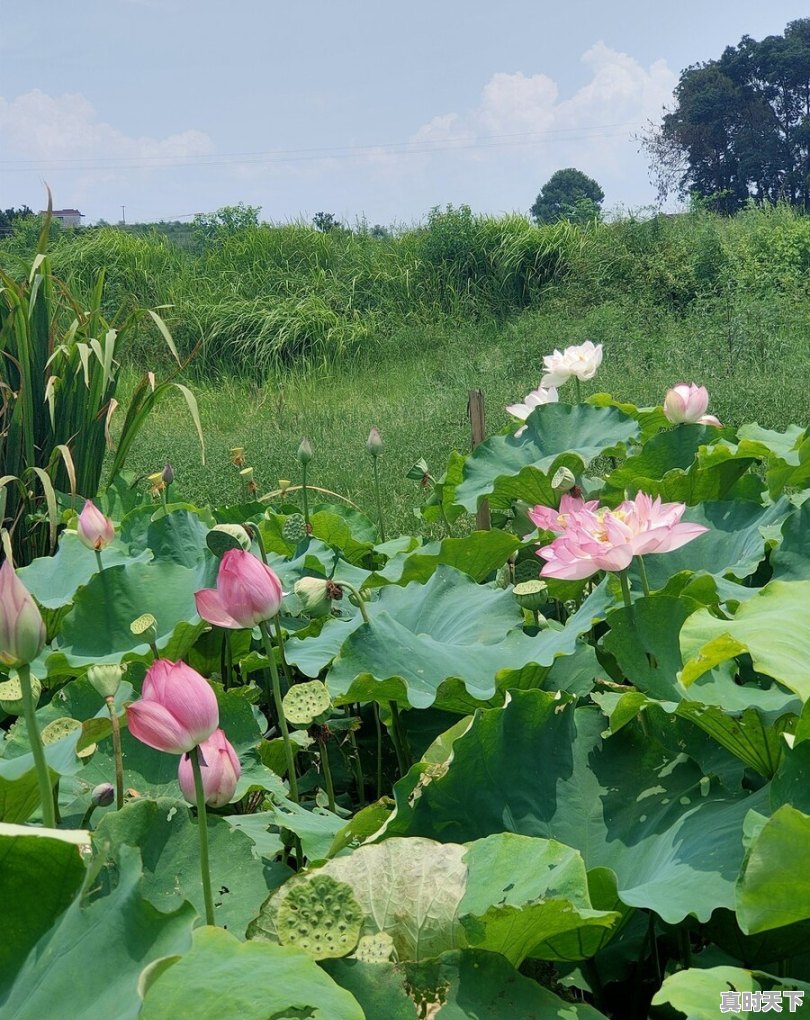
277 157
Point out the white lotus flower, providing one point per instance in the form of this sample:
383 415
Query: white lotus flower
542 395
581 362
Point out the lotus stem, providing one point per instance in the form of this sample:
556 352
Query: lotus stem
645 584
398 739
625 583
579 389
117 756
380 520
327 773
378 727
284 664
41 765
202 829
361 604
304 494
282 722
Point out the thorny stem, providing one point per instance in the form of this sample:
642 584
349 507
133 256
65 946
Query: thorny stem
282 722
119 763
41 765
202 829
378 727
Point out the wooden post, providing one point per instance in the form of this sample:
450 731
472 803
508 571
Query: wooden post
475 409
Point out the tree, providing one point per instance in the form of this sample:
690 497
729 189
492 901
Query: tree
568 195
740 128
327 222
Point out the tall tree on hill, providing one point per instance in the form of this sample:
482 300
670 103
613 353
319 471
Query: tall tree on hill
740 128
568 195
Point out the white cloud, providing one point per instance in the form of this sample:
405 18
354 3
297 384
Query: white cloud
52 130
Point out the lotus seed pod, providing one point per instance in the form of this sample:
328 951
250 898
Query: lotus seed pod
223 537
304 454
145 627
304 703
321 916
563 480
531 595
103 795
106 677
167 474
312 591
294 529
377 948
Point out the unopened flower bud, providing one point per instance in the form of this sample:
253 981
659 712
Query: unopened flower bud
106 677
103 795
312 591
22 631
374 443
94 529
563 480
304 454
167 474
145 627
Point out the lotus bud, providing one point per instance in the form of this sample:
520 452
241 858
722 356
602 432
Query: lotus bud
167 474
22 632
304 454
219 771
177 709
247 592
686 403
106 678
145 627
563 480
374 443
94 529
312 591
235 531
103 795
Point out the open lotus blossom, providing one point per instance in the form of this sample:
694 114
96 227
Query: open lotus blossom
247 592
177 709
603 539
94 529
580 361
22 631
542 395
219 770
548 519
686 404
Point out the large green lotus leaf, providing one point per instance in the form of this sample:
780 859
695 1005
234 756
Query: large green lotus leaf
470 984
41 870
771 628
774 885
97 627
551 430
668 466
54 580
168 840
333 530
644 643
19 786
698 994
791 560
788 455
448 629
734 543
476 555
88 964
230 980
539 767
441 506
179 536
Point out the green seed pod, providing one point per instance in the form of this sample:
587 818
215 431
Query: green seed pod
106 677
294 529
321 916
531 595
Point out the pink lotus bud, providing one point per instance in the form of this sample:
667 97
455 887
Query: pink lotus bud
22 632
374 443
102 795
177 709
686 404
247 592
219 769
95 530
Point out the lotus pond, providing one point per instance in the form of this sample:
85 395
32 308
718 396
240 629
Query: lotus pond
260 761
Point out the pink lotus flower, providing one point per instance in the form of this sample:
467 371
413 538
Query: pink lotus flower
548 519
602 539
177 709
580 361
94 529
219 769
22 632
686 404
247 592
541 395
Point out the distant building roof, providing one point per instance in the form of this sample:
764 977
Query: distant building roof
63 212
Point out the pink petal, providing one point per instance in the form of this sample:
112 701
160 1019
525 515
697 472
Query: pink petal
211 609
156 727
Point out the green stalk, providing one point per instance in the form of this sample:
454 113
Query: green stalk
579 389
224 665
304 494
645 584
359 778
284 664
625 583
119 762
379 499
43 774
202 829
282 722
398 738
361 604
327 773
378 727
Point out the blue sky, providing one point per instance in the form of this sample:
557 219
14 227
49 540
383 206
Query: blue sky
382 110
